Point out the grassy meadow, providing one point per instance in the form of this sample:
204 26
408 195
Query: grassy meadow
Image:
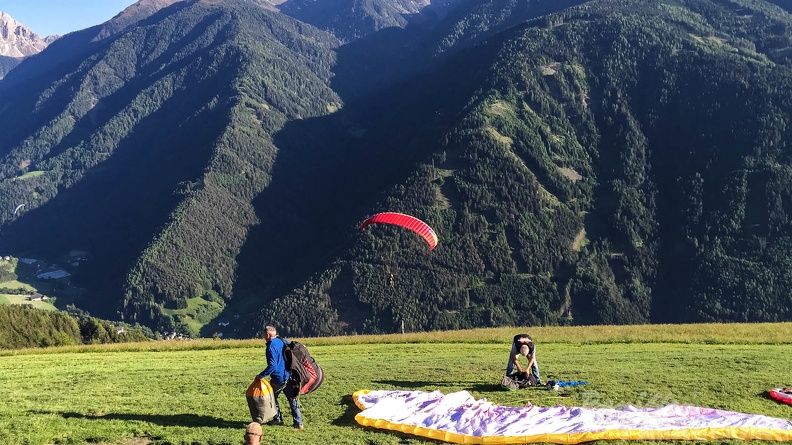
22 299
192 392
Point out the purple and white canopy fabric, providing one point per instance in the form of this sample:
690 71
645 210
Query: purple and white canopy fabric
460 418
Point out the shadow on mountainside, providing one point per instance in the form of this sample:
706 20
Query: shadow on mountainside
332 170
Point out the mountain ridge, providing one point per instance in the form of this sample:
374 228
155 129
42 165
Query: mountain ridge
18 42
216 157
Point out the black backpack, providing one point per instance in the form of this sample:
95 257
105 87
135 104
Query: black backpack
305 374
523 379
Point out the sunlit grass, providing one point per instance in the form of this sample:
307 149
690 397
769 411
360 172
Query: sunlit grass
31 174
714 333
22 299
192 392
15 284
189 315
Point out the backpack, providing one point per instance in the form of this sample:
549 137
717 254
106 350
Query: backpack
518 380
524 379
509 383
261 400
305 374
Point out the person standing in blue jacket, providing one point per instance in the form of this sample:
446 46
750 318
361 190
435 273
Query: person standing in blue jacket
279 377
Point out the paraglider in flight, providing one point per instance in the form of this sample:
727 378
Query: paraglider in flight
16 209
403 220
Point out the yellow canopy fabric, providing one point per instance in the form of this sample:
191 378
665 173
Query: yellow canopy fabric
460 418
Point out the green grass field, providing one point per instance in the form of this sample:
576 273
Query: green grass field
16 284
32 174
192 392
21 299
197 313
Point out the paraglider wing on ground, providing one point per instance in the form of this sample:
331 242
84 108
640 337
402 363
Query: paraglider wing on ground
460 418
783 395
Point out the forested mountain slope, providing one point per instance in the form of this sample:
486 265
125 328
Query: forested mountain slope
607 161
387 41
146 147
619 163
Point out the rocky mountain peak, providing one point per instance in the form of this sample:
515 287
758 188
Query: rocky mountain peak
17 40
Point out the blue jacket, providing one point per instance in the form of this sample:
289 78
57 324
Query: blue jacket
276 365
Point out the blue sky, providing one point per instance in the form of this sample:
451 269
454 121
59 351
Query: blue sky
48 17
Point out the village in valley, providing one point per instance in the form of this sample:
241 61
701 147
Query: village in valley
39 283
43 285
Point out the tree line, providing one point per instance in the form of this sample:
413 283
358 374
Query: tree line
22 326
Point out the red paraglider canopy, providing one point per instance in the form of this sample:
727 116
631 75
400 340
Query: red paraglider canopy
410 222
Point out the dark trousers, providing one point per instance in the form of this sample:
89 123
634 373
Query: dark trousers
291 397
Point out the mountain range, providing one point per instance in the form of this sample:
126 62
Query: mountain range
582 162
17 42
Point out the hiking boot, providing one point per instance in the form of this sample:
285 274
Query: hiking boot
299 427
275 422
